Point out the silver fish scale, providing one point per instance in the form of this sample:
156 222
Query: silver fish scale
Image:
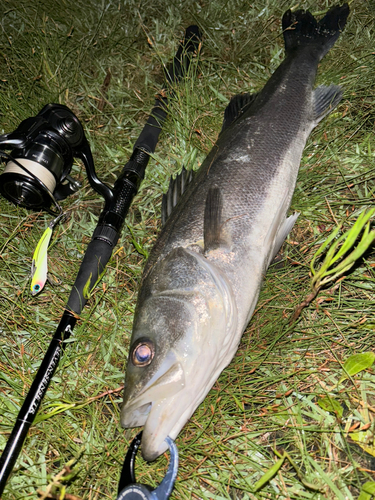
205 271
255 164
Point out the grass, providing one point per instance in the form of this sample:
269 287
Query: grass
281 393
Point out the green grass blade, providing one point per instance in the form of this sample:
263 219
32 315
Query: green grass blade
270 474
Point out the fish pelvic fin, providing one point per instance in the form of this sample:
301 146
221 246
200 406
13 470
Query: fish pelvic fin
237 107
325 99
301 29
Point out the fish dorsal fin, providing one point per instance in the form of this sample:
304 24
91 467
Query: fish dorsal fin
213 227
325 99
236 107
176 189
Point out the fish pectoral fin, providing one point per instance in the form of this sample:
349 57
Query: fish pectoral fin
237 107
213 227
325 99
176 189
282 233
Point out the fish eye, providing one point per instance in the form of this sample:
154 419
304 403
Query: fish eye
36 288
143 352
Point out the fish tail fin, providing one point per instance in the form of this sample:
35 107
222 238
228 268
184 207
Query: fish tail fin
301 29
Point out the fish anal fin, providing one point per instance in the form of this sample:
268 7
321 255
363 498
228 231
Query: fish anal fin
236 107
325 99
176 189
282 233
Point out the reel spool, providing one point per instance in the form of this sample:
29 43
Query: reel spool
36 175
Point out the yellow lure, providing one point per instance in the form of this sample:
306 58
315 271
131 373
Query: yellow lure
39 267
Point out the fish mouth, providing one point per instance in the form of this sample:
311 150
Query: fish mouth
155 408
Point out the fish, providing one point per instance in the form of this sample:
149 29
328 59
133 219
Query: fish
39 265
223 226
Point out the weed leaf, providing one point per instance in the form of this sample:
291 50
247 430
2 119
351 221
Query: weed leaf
331 405
367 491
269 474
357 363
364 439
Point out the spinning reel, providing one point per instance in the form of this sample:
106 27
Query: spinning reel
36 175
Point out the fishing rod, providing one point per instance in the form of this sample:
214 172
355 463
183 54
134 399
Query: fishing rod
56 135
